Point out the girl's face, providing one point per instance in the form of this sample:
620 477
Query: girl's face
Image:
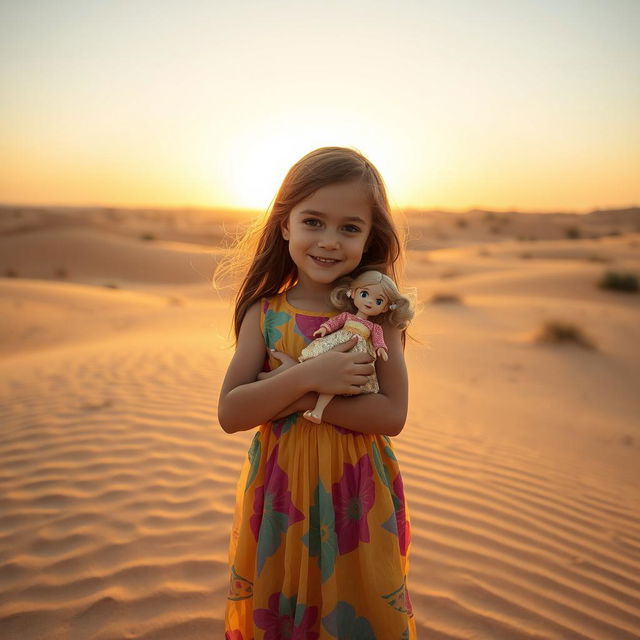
371 300
327 232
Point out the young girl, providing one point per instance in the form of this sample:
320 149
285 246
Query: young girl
320 541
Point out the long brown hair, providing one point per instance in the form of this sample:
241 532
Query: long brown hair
263 254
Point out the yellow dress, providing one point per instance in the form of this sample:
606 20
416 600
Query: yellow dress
319 548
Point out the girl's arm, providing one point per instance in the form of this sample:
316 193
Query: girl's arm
246 402
384 412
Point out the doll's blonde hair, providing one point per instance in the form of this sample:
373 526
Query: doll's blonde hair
399 317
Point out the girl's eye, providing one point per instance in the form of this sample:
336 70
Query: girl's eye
364 294
379 301
351 228
311 222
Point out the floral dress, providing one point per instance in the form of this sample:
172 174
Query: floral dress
319 547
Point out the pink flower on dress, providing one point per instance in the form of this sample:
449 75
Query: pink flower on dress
353 498
404 534
273 510
278 621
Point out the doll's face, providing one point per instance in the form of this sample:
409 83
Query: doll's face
370 300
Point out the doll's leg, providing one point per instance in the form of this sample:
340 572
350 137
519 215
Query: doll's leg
315 414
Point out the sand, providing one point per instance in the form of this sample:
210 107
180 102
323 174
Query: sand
519 457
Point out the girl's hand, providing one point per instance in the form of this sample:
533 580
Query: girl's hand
382 353
321 332
338 372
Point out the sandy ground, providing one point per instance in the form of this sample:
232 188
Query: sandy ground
520 457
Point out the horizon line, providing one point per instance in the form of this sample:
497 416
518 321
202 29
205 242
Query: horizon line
245 210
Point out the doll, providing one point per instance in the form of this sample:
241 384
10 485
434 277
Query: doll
372 294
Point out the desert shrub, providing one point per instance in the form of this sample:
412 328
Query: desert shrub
572 232
10 273
525 255
61 272
147 236
619 281
461 222
445 296
110 285
561 332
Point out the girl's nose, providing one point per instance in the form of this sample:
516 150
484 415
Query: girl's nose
328 241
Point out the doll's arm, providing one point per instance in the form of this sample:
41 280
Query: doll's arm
332 324
377 339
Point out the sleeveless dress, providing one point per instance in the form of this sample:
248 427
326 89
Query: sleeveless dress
319 547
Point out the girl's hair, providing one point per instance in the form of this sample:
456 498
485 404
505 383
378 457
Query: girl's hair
262 253
400 317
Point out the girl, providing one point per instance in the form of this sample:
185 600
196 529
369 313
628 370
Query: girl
320 540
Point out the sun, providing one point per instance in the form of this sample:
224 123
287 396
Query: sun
262 155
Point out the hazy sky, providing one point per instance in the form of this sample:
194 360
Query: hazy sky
529 105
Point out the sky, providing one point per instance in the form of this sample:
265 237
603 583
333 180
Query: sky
500 104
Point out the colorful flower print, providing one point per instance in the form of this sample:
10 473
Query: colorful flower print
382 470
399 599
280 427
236 634
254 455
305 326
273 320
321 537
404 534
353 497
342 623
285 619
239 588
273 510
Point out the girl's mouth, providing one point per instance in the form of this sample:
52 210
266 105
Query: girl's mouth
324 261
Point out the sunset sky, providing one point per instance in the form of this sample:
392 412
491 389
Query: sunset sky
495 104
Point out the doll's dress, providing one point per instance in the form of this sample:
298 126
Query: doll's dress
319 547
331 340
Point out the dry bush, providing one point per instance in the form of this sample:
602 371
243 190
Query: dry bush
619 281
445 296
563 332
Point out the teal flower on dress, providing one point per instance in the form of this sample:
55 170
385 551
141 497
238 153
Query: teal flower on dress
321 538
342 623
254 456
273 320
382 470
280 427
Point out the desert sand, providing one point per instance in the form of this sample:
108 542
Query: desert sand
520 456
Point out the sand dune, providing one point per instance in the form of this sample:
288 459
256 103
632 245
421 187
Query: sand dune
519 458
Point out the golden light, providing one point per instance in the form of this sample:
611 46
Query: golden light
262 154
